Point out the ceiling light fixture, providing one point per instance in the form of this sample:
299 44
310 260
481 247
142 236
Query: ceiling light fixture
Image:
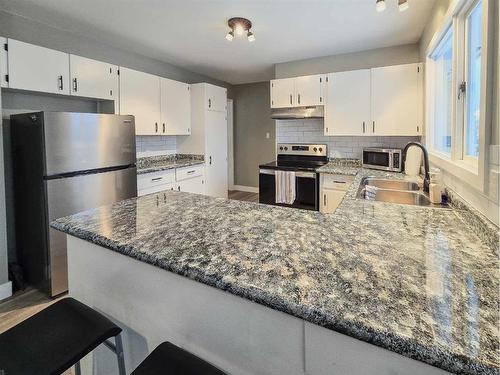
380 5
403 5
239 26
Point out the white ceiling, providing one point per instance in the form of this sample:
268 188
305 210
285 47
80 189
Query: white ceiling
191 33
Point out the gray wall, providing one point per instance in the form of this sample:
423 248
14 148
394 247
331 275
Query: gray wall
404 54
252 120
433 24
4 276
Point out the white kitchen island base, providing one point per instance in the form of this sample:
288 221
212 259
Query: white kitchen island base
239 336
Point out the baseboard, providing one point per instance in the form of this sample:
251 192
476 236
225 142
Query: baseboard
249 189
6 290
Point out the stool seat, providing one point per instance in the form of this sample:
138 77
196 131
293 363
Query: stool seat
53 340
168 359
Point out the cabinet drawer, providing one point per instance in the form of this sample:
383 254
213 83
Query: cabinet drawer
148 180
335 181
188 172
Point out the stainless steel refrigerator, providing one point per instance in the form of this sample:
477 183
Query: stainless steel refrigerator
65 163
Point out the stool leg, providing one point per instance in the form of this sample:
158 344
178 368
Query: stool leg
119 354
78 370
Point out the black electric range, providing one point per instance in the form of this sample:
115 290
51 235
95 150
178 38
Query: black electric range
303 159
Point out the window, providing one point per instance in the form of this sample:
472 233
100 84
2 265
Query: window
455 88
442 90
473 81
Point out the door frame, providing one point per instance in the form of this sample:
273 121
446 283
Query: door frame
230 144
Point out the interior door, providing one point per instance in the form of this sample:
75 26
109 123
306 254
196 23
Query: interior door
37 68
93 79
308 90
67 196
347 111
216 98
397 100
140 97
216 154
175 107
282 93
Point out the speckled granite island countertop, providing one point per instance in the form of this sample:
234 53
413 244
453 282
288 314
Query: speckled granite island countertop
414 280
165 162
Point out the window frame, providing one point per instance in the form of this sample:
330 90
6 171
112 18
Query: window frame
472 170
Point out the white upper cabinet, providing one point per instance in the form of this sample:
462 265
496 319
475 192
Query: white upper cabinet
216 98
282 93
3 62
93 79
308 90
37 68
140 96
175 107
397 103
298 91
347 109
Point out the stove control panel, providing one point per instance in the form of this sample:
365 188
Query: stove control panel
301 149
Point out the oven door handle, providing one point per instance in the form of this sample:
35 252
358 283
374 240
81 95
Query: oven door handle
272 172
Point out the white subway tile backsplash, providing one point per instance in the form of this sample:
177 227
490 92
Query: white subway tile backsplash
311 131
153 145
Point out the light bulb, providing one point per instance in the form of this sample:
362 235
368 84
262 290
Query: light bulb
230 36
380 5
239 29
403 5
250 36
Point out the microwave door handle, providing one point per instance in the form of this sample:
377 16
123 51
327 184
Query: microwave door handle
391 156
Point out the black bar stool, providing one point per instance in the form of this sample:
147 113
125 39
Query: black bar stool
168 359
57 338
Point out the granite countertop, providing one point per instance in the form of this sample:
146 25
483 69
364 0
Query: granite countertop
165 162
414 280
341 166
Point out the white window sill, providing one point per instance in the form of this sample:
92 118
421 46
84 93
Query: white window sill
466 171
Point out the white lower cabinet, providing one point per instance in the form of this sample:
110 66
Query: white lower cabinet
186 179
333 189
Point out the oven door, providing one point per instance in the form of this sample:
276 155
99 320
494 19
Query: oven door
306 190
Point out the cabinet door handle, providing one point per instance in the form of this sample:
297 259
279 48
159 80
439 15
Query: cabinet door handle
179 187
373 126
209 103
324 200
363 126
163 127
189 172
210 160
157 179
290 99
156 127
298 98
61 84
75 85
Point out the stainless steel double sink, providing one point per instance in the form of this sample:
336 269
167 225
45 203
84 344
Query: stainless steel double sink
394 191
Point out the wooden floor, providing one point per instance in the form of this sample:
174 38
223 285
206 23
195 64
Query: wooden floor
243 196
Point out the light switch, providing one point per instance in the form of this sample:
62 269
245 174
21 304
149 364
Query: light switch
267 135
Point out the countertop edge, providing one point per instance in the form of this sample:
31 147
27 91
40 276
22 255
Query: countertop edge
447 361
169 166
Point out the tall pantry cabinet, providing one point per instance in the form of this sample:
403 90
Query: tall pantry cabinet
209 135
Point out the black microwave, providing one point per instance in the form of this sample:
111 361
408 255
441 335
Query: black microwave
386 159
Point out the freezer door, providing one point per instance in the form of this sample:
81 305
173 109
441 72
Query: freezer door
67 196
85 141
